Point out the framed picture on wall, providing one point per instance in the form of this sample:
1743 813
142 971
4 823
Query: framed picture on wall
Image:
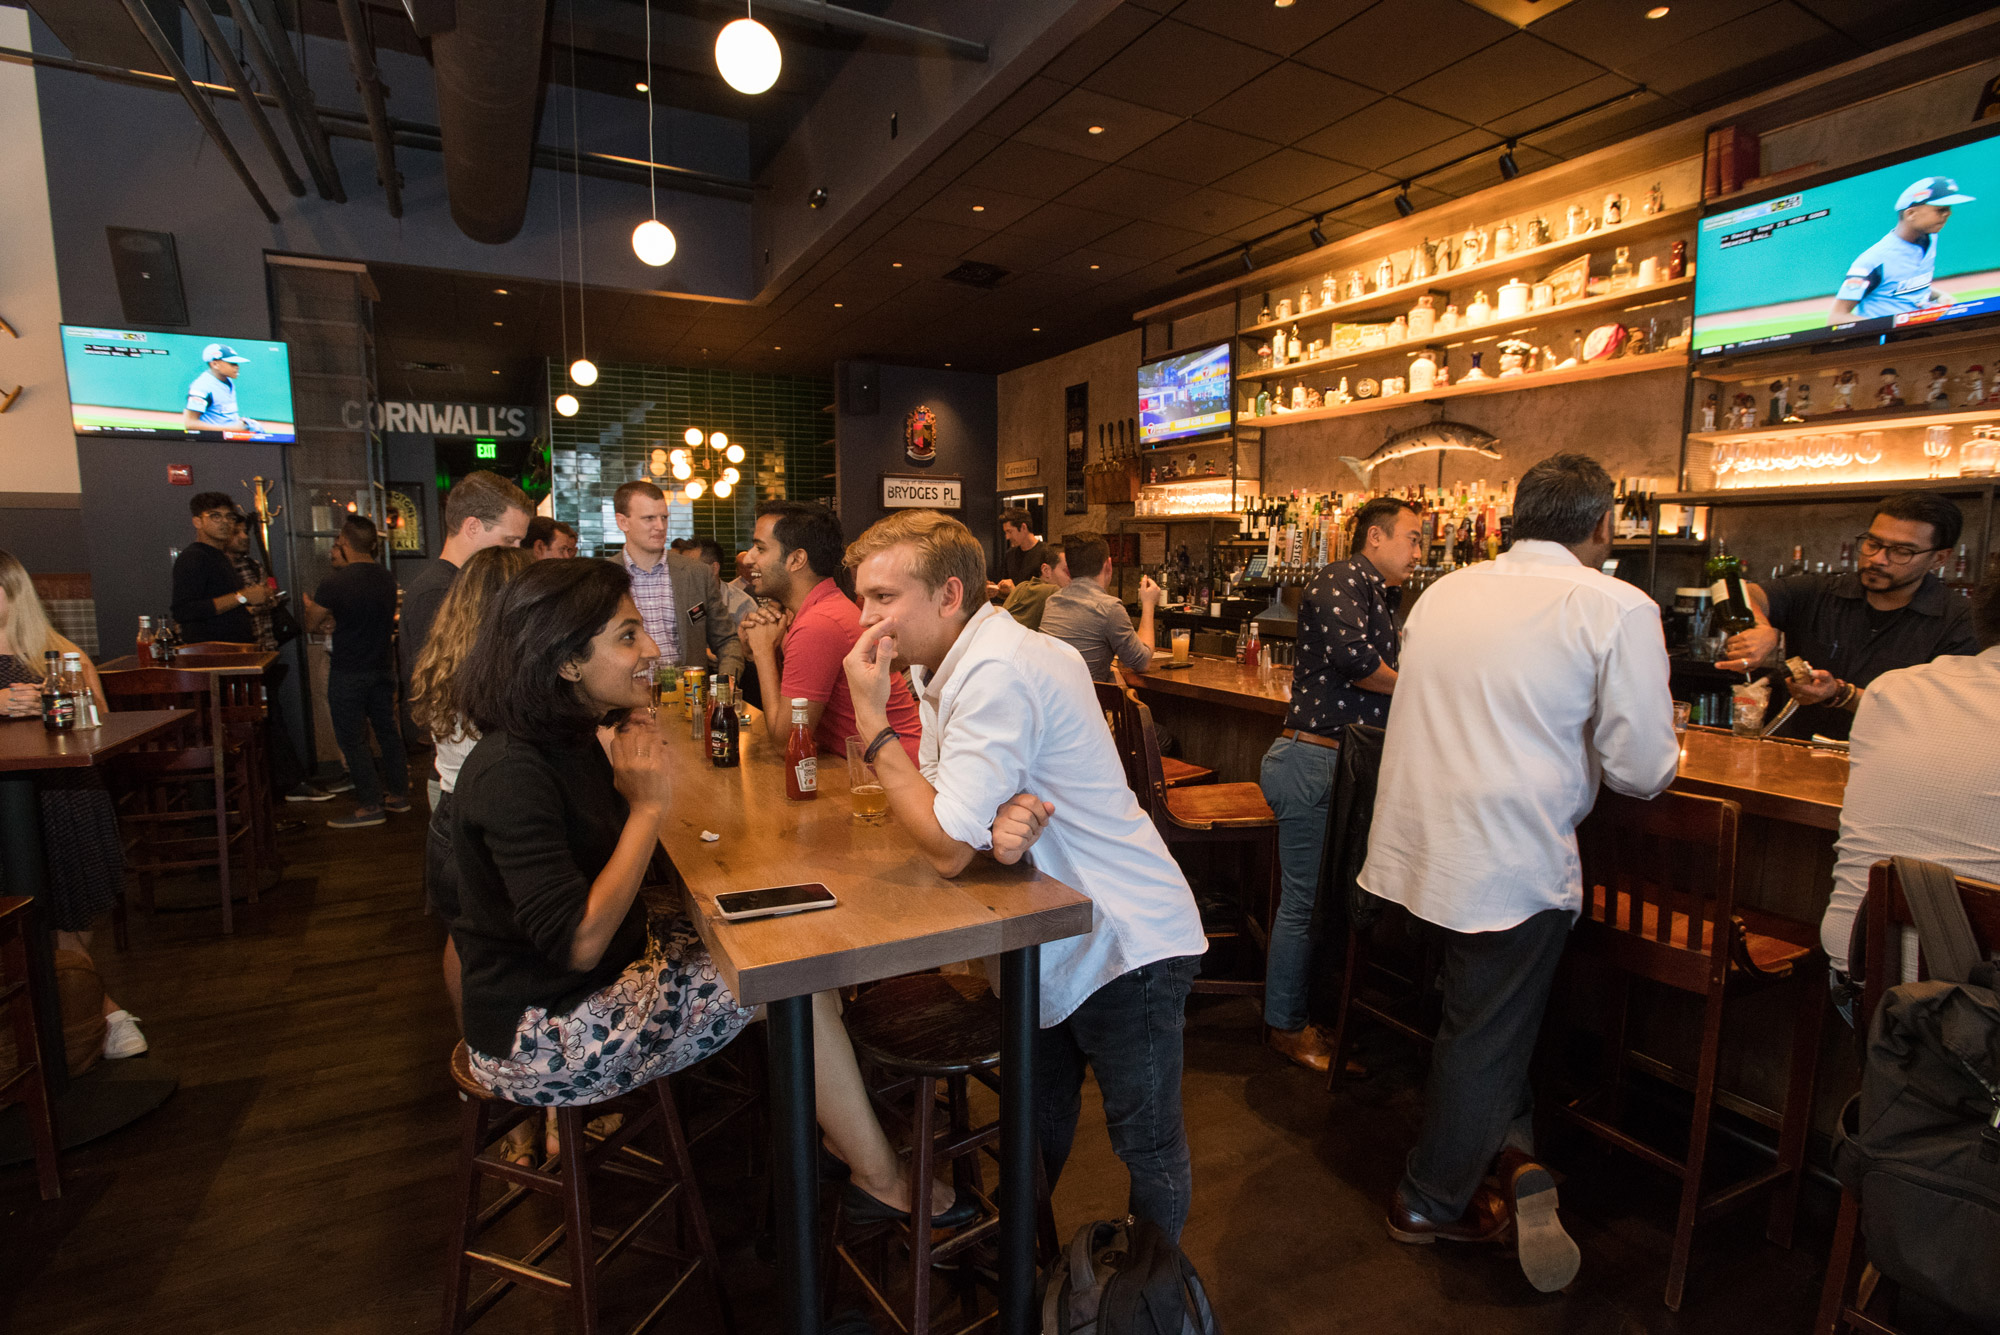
406 520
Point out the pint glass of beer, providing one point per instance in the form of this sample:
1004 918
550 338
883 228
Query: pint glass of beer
871 804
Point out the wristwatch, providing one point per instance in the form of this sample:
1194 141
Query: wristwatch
242 601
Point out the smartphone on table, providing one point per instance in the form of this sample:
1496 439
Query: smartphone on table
775 901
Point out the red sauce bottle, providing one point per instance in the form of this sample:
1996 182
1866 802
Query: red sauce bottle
801 759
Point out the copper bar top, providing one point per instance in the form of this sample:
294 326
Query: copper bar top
896 914
1219 681
1781 780
26 745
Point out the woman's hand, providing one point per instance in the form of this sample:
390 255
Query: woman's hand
1017 825
21 700
637 764
871 668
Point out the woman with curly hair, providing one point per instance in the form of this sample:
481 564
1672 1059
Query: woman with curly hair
573 993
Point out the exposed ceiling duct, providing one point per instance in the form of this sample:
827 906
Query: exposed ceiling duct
488 68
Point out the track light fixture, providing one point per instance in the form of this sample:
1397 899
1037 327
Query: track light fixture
1404 208
1318 237
1248 265
1509 168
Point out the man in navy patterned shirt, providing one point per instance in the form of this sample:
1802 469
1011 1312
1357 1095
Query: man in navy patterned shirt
1344 673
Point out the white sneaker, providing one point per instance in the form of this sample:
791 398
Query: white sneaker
121 1035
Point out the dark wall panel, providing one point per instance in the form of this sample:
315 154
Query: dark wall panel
967 405
45 540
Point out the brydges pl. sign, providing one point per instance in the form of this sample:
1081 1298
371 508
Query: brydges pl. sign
499 421
921 491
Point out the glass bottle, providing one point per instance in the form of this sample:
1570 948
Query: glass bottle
143 653
58 704
1621 270
87 715
801 759
1294 350
724 735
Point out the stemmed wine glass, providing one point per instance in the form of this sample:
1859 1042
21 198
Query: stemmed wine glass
1937 446
1868 451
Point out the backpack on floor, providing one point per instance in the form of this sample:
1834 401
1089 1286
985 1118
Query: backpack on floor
1920 1145
1124 1277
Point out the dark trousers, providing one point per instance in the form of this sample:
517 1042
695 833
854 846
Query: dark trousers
1129 1033
440 867
1496 986
358 700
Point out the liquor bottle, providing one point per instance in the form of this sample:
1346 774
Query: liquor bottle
1798 565
725 739
1243 642
1961 566
58 704
801 759
143 653
1621 270
87 715
1294 350
1846 558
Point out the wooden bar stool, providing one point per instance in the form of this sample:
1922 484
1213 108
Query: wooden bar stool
485 1119
1659 904
1178 773
1846 1298
1216 813
918 1031
25 1084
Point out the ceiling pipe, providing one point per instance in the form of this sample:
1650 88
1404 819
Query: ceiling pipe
270 53
232 74
368 79
488 68
170 61
854 20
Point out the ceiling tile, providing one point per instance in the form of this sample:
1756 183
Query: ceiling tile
968 205
1615 33
1382 132
1210 212
1566 103
1029 171
1065 127
1265 25
1503 77
1025 103
1113 33
1093 265
1012 251
1192 151
1688 70
1876 25
1484 171
1287 103
1269 222
1398 42
1123 191
1614 123
1057 221
1149 241
1180 69
1343 194
1382 208
926 236
1458 145
1286 176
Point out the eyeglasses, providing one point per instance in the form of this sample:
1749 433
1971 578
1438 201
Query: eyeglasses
1900 553
229 515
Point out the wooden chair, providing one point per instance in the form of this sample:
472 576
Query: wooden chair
246 717
1178 773
1846 1297
916 1032
160 784
1659 904
588 1248
25 1084
1208 814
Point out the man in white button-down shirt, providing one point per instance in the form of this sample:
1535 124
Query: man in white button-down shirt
1523 681
1011 722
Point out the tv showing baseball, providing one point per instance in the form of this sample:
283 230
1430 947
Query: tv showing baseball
132 382
1892 248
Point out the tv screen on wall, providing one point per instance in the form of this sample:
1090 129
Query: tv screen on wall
1184 394
132 382
1896 246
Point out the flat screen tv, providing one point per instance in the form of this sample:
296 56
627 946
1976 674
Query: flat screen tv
133 382
1184 394
1897 245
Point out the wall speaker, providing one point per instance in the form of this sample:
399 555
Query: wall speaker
860 389
149 276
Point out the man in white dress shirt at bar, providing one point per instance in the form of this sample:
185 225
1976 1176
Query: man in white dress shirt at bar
1011 723
1523 681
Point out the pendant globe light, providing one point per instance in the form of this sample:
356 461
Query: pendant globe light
567 405
652 240
583 370
747 55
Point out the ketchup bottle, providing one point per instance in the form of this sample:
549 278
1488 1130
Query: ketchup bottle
801 759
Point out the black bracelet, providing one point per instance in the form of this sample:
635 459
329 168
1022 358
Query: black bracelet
882 739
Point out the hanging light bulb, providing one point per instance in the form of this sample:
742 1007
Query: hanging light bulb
722 490
567 405
692 435
693 489
734 454
683 470
678 457
653 242
747 55
717 441
583 371
731 476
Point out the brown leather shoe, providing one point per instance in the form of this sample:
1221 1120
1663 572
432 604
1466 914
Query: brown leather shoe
1307 1047
1549 1256
1484 1220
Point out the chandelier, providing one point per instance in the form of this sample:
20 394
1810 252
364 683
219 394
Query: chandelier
707 463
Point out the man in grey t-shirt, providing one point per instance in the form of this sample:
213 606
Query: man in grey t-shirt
1090 620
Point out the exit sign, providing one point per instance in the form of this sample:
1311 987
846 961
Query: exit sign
488 450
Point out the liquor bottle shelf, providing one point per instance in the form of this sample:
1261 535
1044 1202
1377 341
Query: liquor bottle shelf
1833 491
1649 361
1657 294
1395 300
1819 426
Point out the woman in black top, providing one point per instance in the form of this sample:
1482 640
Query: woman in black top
571 995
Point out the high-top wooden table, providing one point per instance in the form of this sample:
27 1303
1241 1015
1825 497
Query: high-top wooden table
1224 715
228 665
896 915
27 748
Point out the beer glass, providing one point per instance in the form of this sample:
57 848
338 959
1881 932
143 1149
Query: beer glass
1180 643
871 803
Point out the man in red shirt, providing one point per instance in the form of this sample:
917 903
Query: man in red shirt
795 552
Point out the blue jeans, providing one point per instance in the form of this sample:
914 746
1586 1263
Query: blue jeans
1129 1033
357 700
1297 779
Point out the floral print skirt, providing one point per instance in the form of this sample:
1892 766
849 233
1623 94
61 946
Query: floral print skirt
669 1009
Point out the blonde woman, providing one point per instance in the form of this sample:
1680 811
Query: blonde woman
77 815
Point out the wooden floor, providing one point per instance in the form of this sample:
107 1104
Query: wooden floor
300 1179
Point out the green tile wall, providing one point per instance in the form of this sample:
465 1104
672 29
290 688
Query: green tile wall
633 409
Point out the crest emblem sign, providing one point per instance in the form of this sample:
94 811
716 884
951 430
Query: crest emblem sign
920 435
